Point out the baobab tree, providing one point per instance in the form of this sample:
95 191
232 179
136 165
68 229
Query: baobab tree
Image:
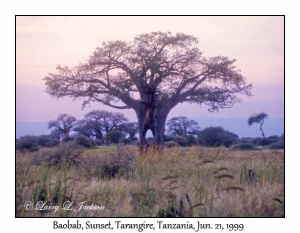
100 122
258 118
151 75
63 125
182 125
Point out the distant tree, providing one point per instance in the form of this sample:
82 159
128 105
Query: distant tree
130 128
178 126
57 134
151 75
258 118
216 136
87 129
104 121
63 125
114 136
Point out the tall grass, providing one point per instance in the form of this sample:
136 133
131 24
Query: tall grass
183 182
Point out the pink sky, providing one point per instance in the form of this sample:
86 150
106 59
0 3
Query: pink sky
44 42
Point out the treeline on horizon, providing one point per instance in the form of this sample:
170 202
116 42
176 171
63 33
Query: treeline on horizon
103 128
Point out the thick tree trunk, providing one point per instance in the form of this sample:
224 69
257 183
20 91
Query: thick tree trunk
159 130
153 119
152 115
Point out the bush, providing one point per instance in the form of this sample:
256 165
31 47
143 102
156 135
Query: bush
114 136
83 140
67 153
191 139
168 138
277 145
121 163
99 142
216 136
47 141
264 142
274 137
244 146
28 142
170 144
125 140
182 141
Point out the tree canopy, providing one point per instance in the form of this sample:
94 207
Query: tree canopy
181 125
258 118
62 125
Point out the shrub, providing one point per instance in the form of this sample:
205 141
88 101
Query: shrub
68 153
114 136
83 140
244 146
191 139
170 144
28 142
277 145
125 140
255 140
267 141
182 141
274 137
47 141
264 142
119 163
99 142
168 138
216 136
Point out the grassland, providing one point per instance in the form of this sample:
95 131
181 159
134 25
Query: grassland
183 182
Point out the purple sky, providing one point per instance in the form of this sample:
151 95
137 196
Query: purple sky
44 42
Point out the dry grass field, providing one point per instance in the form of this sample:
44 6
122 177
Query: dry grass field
183 182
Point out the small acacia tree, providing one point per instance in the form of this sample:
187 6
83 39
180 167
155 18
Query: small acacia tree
151 75
258 118
63 125
178 126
